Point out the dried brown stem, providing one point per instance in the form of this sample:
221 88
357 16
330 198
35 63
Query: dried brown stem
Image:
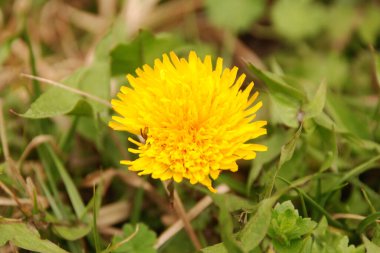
350 216
181 212
193 213
10 193
11 167
3 136
11 202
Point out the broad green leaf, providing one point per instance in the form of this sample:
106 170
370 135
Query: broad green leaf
277 85
287 225
72 233
56 101
274 143
297 246
286 154
217 248
296 20
370 246
232 203
241 13
142 241
26 237
316 105
346 118
127 57
286 99
330 242
315 205
330 146
226 231
288 149
256 228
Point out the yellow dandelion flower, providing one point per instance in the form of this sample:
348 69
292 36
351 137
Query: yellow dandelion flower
195 120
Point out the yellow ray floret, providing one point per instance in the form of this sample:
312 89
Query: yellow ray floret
195 119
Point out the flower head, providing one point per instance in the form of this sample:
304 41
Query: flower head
195 120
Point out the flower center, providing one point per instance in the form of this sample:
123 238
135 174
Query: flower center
192 153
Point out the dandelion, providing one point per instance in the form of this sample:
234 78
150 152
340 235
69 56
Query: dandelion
196 120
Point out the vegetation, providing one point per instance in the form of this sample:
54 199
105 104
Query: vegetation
316 189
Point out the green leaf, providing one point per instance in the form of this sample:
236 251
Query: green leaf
277 85
368 221
287 150
287 224
370 246
232 203
286 154
71 189
217 248
286 99
358 170
316 105
226 226
72 233
127 57
257 226
369 28
331 146
274 144
241 13
56 101
228 203
297 246
25 237
330 242
142 241
346 118
296 20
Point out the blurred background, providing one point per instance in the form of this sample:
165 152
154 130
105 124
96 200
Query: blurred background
316 64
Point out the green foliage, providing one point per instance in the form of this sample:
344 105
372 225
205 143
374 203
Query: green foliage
127 57
256 228
56 101
26 237
329 242
135 239
368 221
286 100
72 233
370 246
287 225
370 26
234 15
315 63
286 16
